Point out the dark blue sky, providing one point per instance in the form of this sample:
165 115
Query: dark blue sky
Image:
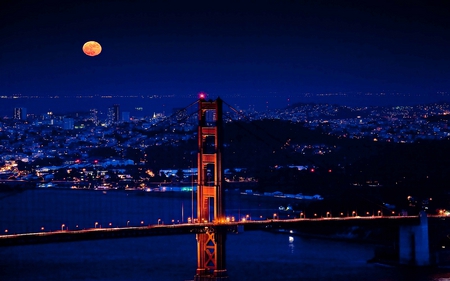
225 48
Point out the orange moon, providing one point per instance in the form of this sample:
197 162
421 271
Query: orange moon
92 48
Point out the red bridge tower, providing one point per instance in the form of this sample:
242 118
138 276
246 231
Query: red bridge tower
210 203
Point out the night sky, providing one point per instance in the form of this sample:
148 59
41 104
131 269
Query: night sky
225 48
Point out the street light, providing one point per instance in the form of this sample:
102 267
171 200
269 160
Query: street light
128 222
159 221
95 225
62 227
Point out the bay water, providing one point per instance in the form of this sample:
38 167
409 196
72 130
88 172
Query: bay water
251 255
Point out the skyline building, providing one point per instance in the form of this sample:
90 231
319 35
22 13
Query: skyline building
68 123
20 113
126 116
94 115
113 114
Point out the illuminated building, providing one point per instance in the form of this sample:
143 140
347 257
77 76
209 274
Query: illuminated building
20 113
68 124
93 115
113 114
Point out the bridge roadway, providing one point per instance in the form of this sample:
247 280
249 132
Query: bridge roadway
186 228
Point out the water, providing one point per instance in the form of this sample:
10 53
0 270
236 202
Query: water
49 209
252 255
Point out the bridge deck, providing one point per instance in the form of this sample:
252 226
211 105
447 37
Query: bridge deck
106 233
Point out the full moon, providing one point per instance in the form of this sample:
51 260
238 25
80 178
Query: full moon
92 48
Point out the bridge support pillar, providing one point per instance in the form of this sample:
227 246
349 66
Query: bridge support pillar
211 255
414 244
210 203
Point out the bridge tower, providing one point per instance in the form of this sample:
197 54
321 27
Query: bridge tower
210 203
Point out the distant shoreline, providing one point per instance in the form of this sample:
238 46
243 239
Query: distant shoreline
147 105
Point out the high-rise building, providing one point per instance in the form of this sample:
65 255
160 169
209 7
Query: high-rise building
125 116
93 115
113 114
116 113
20 113
68 123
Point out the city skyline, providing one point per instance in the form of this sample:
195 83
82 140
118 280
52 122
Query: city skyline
264 50
140 106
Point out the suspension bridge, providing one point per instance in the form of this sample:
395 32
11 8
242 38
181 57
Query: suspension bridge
208 210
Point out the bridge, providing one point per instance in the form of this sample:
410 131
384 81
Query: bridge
65 235
210 223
